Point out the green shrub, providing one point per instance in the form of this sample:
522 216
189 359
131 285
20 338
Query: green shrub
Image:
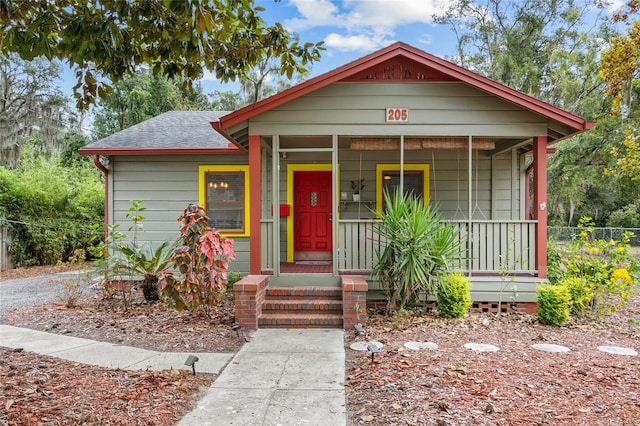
233 277
626 217
581 293
453 295
553 304
49 210
606 265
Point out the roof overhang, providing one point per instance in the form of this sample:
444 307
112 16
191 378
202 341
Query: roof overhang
562 124
233 150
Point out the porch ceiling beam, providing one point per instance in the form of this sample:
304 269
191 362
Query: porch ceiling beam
413 143
306 149
525 142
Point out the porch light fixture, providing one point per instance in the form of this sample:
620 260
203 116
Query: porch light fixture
373 350
218 184
191 362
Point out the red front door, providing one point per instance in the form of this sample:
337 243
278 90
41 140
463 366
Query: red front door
312 215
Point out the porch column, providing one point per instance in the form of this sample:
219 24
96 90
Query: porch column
255 208
540 202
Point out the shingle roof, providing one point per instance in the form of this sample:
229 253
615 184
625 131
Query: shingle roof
170 130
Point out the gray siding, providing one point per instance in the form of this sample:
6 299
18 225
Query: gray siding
436 109
166 184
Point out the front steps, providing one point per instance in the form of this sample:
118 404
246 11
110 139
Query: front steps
302 307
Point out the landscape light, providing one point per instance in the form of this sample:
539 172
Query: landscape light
236 328
359 329
373 350
191 362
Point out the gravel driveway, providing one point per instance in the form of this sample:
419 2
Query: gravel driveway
35 290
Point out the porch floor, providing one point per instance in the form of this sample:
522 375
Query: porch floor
307 267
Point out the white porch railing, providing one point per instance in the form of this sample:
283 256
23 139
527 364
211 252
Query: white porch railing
490 246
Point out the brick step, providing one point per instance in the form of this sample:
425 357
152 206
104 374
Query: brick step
303 293
287 320
302 306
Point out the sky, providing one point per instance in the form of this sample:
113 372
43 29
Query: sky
352 29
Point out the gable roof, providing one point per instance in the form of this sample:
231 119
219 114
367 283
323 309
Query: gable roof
173 132
432 69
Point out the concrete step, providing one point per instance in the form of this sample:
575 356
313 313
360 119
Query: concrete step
288 320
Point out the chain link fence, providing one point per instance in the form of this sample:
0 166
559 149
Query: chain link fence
567 233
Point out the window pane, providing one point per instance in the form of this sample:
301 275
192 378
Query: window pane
225 200
413 182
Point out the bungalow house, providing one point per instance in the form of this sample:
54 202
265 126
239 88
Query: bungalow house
277 177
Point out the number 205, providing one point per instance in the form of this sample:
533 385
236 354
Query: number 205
397 114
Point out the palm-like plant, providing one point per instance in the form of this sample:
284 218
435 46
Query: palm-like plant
419 244
144 260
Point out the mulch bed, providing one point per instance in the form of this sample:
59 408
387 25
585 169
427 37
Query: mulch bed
42 390
515 386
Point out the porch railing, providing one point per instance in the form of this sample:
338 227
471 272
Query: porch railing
488 246
491 246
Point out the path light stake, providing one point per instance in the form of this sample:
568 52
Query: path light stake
373 350
236 328
359 329
191 362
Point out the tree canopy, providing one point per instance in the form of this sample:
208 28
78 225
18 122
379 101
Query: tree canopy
106 40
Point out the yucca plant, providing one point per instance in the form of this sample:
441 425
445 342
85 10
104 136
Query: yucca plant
418 244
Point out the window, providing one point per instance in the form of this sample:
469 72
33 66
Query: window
416 180
224 194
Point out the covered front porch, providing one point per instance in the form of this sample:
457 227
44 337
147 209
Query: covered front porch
400 119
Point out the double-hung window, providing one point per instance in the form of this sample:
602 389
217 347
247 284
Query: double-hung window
224 194
415 181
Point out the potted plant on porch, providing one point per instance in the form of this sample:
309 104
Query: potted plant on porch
357 186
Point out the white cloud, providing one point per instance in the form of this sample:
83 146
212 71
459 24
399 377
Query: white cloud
208 76
351 43
367 24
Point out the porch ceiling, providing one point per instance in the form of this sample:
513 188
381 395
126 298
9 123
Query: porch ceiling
344 142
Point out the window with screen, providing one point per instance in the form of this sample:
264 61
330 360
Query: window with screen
416 181
224 193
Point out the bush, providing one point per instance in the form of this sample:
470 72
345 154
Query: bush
581 293
202 258
626 217
553 304
606 265
51 211
453 295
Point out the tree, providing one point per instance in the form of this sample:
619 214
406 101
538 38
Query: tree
30 102
111 39
137 98
227 100
620 67
544 55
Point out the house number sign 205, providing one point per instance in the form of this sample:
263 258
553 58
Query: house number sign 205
398 115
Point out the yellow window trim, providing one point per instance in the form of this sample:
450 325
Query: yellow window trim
202 170
381 168
291 168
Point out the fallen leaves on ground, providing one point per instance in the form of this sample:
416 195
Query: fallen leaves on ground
38 389
151 326
515 386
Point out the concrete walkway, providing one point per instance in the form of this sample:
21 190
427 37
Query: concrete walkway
280 377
